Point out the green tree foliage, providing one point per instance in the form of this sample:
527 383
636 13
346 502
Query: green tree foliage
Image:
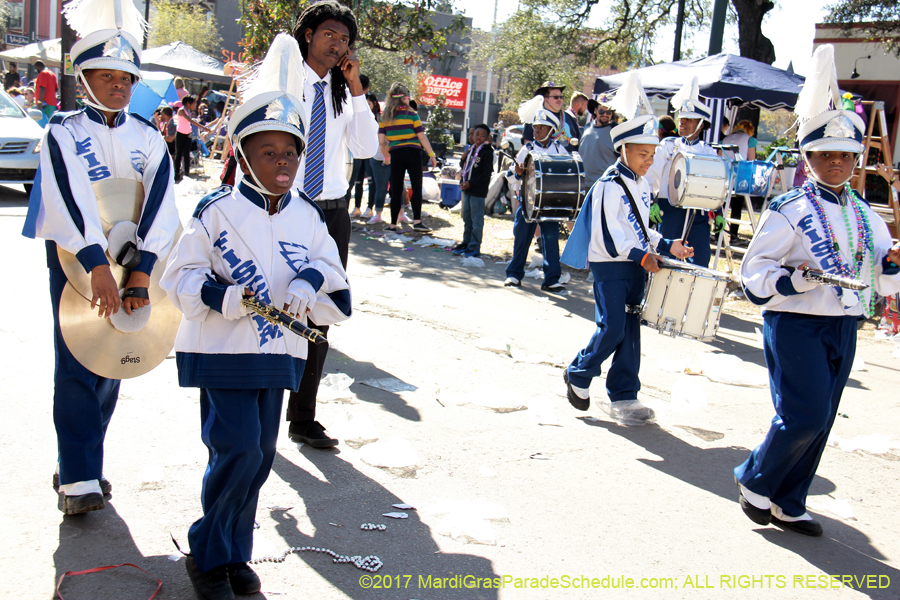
401 26
184 21
881 17
439 124
384 68
4 16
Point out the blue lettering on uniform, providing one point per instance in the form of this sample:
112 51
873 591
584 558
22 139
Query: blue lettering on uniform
295 255
99 173
82 146
819 247
634 224
231 258
221 241
244 272
96 170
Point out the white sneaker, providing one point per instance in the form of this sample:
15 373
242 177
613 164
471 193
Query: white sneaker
512 282
374 219
356 212
367 214
629 412
403 218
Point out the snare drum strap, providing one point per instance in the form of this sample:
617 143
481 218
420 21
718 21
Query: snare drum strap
634 209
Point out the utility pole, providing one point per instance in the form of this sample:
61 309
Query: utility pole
490 77
32 30
717 31
146 18
679 27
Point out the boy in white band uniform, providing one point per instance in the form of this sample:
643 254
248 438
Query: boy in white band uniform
267 239
810 330
613 238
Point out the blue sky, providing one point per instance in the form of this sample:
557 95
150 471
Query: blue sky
790 26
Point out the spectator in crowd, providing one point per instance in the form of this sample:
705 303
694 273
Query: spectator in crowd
402 139
360 166
45 87
667 127
29 97
743 138
889 174
724 130
168 128
11 79
552 96
596 145
16 95
179 88
184 129
381 173
476 178
578 107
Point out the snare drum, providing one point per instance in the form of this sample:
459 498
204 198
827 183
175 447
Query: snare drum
698 181
684 300
552 187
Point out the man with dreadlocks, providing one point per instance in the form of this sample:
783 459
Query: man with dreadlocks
338 121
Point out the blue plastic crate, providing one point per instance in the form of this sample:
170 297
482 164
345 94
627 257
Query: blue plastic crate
450 193
752 177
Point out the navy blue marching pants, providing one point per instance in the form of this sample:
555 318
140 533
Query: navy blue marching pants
809 359
240 429
523 232
617 333
83 403
698 236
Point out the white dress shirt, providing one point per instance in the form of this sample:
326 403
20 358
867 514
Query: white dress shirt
355 129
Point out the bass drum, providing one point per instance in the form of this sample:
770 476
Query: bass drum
698 181
552 187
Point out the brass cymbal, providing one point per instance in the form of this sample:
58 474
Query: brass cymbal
117 200
108 352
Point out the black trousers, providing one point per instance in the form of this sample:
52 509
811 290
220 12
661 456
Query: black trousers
302 403
182 154
406 160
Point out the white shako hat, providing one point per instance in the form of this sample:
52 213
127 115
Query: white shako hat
631 102
271 94
823 126
545 117
111 32
687 105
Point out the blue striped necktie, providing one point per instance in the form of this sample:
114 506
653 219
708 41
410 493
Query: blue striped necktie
314 172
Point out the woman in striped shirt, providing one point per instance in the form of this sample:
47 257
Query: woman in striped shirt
402 139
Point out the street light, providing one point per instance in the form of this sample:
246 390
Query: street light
855 74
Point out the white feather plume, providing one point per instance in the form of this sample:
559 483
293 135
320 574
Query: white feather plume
631 100
88 16
529 108
689 91
820 92
282 69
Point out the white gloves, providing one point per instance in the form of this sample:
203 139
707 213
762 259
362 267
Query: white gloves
800 284
231 304
301 297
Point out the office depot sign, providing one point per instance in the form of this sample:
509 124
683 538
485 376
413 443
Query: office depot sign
454 89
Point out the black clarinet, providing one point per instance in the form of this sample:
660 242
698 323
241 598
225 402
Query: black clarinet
830 279
279 317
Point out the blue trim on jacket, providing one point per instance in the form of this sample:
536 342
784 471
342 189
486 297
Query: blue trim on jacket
155 198
212 293
91 256
207 200
239 371
341 299
313 277
755 299
148 261
62 181
785 286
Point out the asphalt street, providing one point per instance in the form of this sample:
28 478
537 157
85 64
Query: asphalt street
510 485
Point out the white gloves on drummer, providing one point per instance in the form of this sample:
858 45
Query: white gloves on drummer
800 283
231 304
301 297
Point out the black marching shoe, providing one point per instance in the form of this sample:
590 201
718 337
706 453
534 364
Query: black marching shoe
556 288
809 527
311 433
211 585
760 516
105 486
244 580
574 399
77 505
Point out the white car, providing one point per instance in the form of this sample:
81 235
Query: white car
20 142
513 135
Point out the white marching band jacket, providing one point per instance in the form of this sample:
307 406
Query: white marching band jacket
790 233
231 243
616 233
80 149
658 175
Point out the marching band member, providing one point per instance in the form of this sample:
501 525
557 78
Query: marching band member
611 237
810 330
545 126
266 239
693 119
80 148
